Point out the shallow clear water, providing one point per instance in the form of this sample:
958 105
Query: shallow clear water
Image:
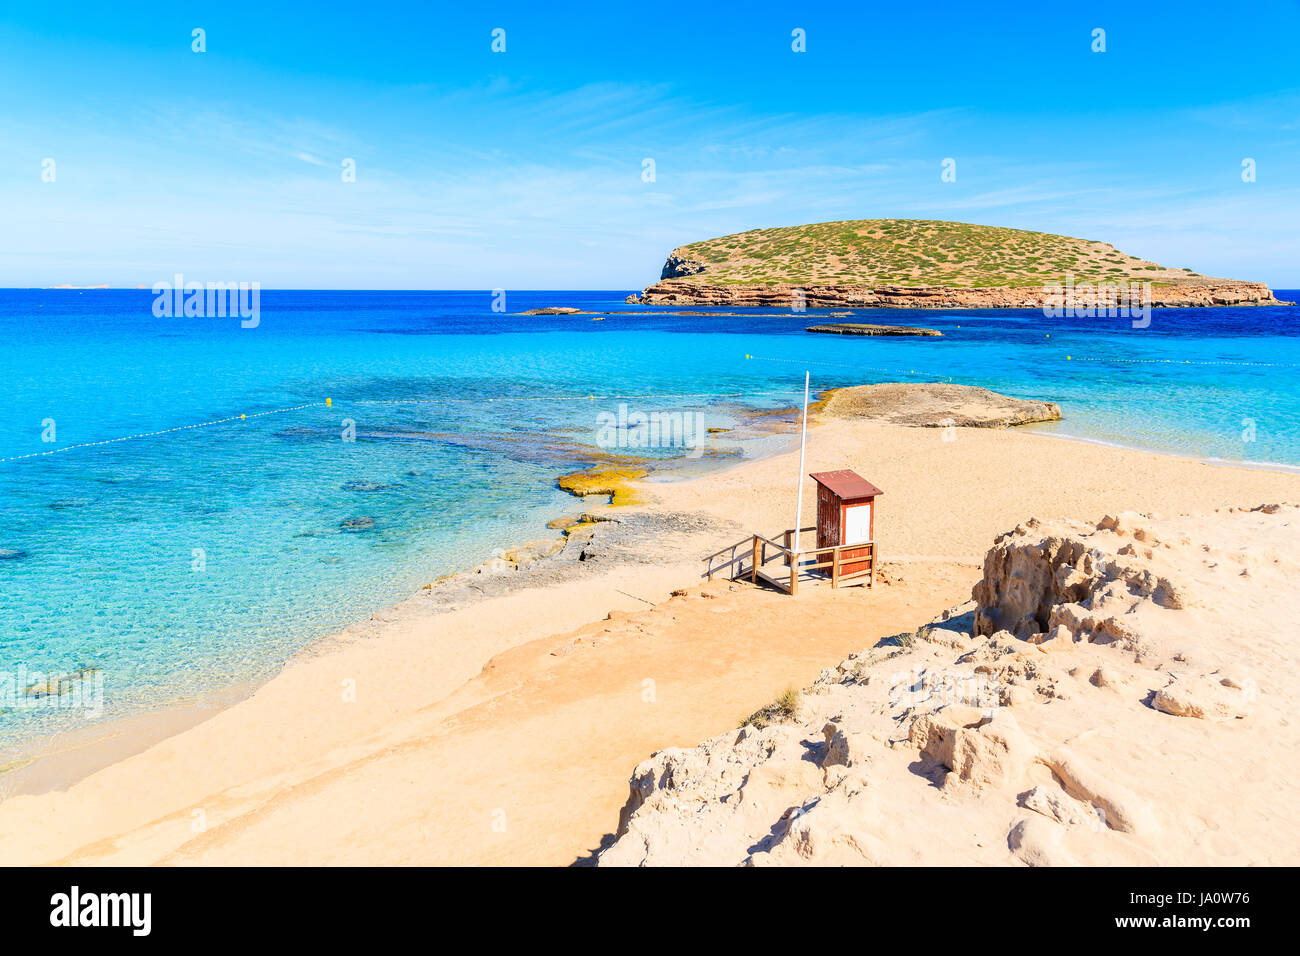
203 556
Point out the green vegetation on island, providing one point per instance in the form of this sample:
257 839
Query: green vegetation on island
911 252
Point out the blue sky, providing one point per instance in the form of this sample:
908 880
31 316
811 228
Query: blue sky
523 169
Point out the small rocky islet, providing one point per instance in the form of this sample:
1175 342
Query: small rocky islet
862 328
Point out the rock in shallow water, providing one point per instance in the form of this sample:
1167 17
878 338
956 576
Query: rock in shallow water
367 486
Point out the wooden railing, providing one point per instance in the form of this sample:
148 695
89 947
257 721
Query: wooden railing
749 557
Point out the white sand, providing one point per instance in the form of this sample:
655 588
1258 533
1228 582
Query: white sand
471 741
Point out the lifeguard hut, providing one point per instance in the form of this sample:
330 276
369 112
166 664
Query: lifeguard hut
846 534
846 519
846 541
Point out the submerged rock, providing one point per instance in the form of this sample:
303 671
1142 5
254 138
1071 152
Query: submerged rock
367 486
365 523
66 503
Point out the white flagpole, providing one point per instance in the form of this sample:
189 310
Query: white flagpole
803 444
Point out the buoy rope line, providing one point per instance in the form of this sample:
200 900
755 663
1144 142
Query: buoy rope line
329 403
162 431
1068 358
558 398
856 368
1139 361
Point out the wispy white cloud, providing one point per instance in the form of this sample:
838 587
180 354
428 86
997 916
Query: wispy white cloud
503 183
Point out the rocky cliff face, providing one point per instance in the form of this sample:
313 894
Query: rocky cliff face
678 267
1117 693
673 289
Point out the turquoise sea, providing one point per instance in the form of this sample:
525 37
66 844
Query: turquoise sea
194 557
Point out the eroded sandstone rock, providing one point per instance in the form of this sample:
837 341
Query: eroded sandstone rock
1203 697
980 749
1038 579
1058 805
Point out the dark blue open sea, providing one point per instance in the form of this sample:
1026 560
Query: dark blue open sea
196 557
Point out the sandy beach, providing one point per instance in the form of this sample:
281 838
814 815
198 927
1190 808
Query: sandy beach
504 730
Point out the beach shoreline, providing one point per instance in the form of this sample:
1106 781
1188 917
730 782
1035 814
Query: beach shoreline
431 659
59 760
